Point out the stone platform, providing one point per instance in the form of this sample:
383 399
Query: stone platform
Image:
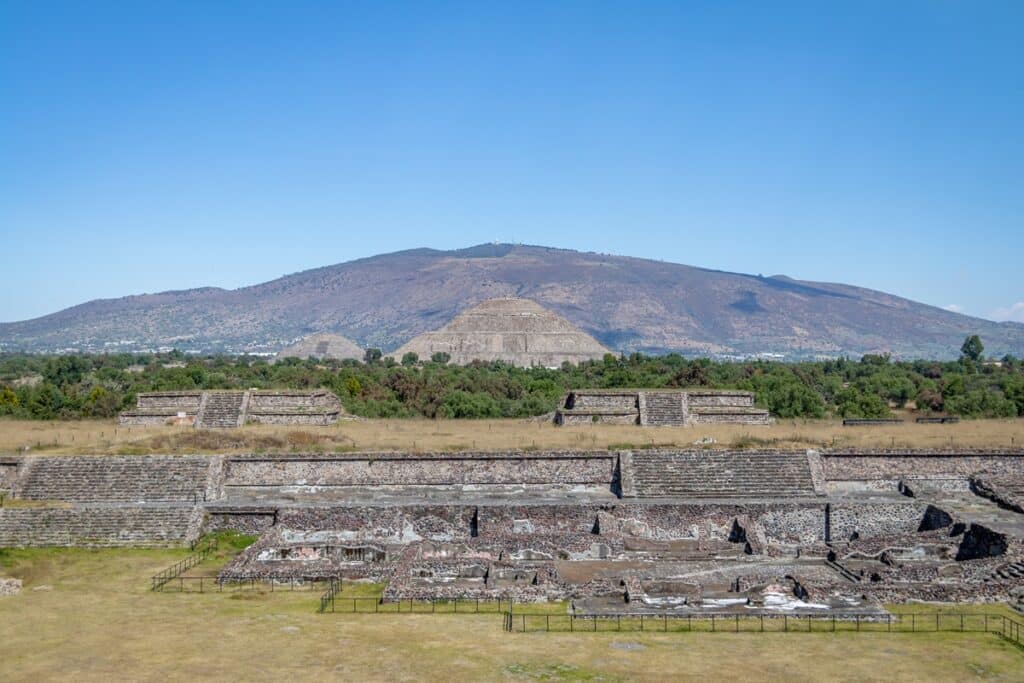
660 407
654 531
231 409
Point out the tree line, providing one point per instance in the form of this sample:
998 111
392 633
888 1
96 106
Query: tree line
101 385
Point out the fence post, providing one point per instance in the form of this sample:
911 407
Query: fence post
712 623
913 623
785 622
936 622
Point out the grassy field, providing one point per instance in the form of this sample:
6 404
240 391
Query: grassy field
87 615
90 436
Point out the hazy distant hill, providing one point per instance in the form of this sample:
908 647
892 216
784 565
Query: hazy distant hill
626 303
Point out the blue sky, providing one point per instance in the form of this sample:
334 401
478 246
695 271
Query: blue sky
154 146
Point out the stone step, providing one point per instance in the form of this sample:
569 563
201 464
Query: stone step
111 479
95 527
720 474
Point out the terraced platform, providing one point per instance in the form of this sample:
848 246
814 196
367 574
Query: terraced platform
713 474
99 526
112 479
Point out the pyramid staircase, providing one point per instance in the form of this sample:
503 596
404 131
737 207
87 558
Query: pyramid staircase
712 474
664 409
222 410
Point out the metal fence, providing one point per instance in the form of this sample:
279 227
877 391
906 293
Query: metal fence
214 584
1007 627
332 602
181 566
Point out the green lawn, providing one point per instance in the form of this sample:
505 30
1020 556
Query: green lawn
88 615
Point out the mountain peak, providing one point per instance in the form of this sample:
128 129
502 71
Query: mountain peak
627 304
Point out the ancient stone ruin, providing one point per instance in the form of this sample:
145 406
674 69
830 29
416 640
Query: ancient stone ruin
323 346
516 331
660 407
228 409
652 531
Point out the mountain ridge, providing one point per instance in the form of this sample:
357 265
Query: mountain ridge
627 303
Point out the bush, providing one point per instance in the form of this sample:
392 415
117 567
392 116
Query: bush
463 404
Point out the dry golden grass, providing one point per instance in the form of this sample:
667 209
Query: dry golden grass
93 619
91 436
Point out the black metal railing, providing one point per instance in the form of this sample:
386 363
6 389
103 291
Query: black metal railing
214 584
181 566
327 599
332 602
1004 626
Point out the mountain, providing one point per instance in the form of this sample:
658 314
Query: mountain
628 304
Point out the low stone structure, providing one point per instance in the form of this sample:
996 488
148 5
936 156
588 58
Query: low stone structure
652 531
660 407
228 409
516 331
9 586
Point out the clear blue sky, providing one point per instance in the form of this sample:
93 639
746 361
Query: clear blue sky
211 143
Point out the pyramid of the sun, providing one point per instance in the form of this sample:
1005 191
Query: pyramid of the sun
323 346
517 331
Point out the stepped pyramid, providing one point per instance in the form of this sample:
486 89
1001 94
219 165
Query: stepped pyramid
517 331
323 346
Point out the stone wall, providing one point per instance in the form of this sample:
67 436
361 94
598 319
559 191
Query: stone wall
185 401
269 400
660 407
869 519
114 479
744 416
380 469
622 401
8 474
729 399
254 521
886 468
97 526
234 408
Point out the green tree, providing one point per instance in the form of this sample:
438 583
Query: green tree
8 401
410 358
972 348
372 356
441 358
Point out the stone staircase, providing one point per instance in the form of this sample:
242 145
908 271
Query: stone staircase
1012 571
222 410
112 479
97 526
713 474
664 409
